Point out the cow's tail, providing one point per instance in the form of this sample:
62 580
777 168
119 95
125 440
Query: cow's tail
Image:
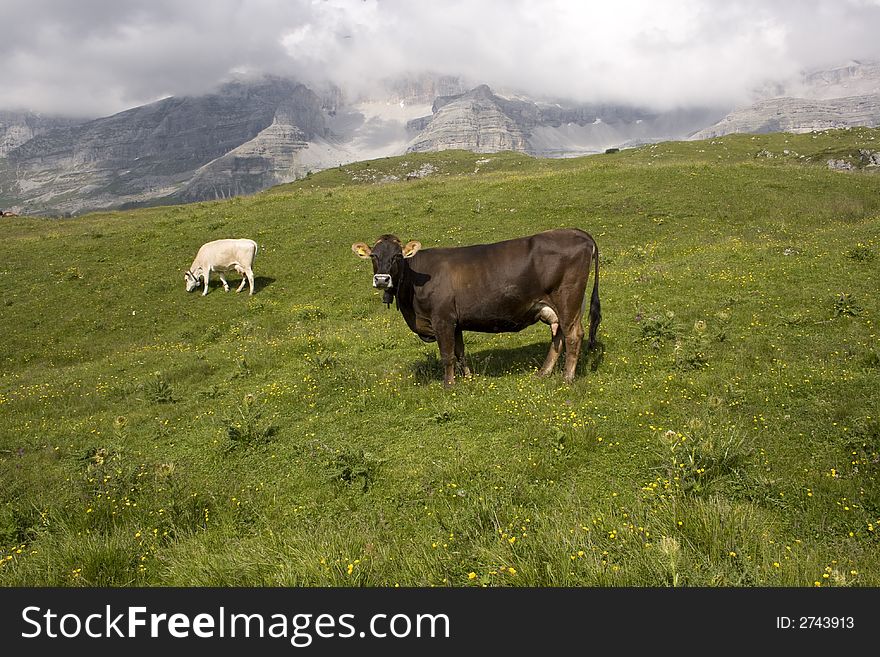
595 305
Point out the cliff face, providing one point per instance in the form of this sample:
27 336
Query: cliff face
474 121
246 137
250 135
155 150
839 97
266 158
261 162
851 79
16 128
798 115
420 89
482 121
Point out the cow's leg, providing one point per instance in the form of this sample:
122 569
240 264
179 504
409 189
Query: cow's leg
249 274
459 352
556 338
223 280
569 306
445 332
240 270
207 276
574 337
551 319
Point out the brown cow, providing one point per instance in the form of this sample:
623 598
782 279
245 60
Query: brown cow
492 288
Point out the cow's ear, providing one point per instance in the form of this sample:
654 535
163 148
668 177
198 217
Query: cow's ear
361 250
411 249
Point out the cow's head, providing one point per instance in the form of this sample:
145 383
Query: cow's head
387 255
191 280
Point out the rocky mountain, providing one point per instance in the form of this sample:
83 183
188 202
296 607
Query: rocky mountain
474 121
798 115
482 121
245 137
18 127
175 149
418 89
249 135
838 97
852 79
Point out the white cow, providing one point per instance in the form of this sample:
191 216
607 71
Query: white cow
222 256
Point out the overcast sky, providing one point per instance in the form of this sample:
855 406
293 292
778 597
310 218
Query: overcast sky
97 57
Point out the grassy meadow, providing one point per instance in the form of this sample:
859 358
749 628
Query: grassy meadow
726 433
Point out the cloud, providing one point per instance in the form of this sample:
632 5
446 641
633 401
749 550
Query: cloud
96 57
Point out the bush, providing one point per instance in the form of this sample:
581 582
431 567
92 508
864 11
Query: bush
246 427
697 461
350 465
156 390
845 304
861 253
659 327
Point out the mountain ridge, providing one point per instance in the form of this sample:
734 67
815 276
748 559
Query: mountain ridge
254 133
798 115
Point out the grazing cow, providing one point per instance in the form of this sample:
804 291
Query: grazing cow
222 256
492 288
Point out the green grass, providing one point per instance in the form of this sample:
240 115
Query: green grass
727 433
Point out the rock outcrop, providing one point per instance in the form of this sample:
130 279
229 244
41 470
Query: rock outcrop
482 121
798 115
839 97
474 121
175 149
851 79
250 135
268 158
16 128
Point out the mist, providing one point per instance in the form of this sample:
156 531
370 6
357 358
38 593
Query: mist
98 57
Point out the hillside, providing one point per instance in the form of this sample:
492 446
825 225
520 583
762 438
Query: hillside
176 148
256 132
825 99
252 134
17 128
727 433
798 115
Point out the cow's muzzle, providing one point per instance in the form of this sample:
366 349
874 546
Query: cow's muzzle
382 281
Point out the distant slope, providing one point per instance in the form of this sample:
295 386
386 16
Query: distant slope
153 151
798 115
16 128
251 135
481 121
254 134
840 97
247 136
